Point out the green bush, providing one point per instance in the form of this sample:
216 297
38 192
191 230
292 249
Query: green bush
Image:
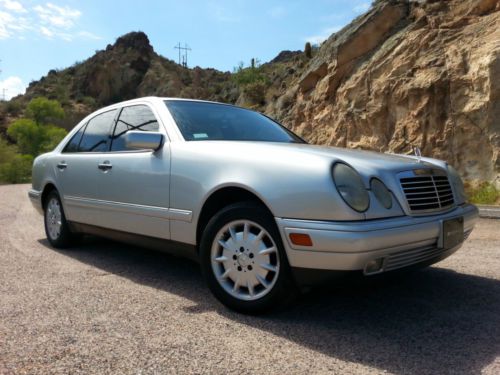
33 135
255 92
253 82
7 152
41 110
244 76
14 108
14 168
35 139
18 170
28 136
88 101
485 193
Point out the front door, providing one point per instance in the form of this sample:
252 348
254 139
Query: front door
133 185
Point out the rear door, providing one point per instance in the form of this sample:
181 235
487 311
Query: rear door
77 168
134 186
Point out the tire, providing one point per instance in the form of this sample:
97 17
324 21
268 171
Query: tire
57 228
243 260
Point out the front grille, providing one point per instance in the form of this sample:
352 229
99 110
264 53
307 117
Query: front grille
427 193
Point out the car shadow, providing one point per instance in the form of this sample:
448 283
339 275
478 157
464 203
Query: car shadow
432 321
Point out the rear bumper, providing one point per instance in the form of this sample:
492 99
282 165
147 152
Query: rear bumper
349 246
36 200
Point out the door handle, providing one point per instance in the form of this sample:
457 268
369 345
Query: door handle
62 165
105 166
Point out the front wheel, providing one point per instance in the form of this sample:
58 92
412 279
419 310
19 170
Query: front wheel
56 227
243 259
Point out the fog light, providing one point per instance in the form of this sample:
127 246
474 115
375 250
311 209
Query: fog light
300 239
374 266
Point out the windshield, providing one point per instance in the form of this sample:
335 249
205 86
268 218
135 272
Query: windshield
201 121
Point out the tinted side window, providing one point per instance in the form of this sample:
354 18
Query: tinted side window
96 137
137 117
72 145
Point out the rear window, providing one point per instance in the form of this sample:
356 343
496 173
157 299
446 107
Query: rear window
72 145
96 137
201 121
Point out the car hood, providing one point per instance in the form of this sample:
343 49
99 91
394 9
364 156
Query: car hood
368 163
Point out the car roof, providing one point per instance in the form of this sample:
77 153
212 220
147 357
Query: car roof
155 99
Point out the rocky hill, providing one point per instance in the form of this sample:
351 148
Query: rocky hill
423 73
406 73
127 69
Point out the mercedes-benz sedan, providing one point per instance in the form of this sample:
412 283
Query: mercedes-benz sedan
262 210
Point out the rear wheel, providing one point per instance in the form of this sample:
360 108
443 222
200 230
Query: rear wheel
56 227
243 259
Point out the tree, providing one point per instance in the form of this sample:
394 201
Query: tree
34 135
28 136
33 139
42 110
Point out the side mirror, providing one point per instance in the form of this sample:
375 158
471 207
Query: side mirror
137 140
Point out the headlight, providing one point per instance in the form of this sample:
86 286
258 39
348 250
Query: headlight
351 187
381 192
458 185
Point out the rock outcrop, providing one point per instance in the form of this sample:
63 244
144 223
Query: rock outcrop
405 74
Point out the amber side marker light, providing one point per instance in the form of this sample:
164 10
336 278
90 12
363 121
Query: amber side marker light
301 239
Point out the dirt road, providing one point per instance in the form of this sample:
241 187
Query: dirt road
104 307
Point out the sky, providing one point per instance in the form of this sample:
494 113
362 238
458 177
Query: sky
37 36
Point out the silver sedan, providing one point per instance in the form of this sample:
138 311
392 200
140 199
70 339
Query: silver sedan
261 210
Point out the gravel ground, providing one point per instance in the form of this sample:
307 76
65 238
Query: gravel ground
109 308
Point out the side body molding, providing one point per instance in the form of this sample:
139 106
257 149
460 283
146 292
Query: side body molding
135 209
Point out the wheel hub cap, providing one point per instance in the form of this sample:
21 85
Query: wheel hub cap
245 260
54 219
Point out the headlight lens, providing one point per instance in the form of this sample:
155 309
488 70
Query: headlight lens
458 185
381 192
351 187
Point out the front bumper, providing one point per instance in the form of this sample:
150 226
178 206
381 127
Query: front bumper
350 246
36 200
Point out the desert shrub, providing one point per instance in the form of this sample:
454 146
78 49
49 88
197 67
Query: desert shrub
252 81
244 76
89 102
14 168
33 135
42 110
255 92
18 170
7 151
484 193
14 108
33 139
